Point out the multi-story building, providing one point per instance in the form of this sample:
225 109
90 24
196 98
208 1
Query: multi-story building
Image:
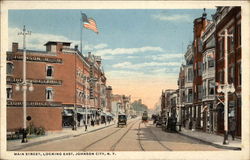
228 18
188 87
208 117
58 99
199 27
181 95
109 98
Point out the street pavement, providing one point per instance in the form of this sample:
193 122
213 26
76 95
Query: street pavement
50 136
136 136
212 139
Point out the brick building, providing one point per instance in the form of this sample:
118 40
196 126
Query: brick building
229 18
62 78
199 27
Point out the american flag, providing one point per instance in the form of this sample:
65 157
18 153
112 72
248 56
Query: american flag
89 23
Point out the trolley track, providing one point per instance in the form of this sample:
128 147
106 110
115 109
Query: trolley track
155 137
139 139
119 140
112 133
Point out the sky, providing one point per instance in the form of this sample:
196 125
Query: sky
142 50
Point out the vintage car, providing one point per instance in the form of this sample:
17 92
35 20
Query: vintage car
122 120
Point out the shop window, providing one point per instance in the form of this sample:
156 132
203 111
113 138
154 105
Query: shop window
10 68
49 71
49 94
9 91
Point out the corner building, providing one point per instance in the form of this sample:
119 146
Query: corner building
60 77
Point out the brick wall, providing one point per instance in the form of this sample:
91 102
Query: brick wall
49 118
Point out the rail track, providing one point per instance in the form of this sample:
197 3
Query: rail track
112 133
155 137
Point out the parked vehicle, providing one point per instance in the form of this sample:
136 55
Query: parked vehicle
122 120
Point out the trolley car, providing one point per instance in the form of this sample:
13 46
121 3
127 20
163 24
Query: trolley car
145 116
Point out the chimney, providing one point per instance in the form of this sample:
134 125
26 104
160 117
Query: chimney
14 47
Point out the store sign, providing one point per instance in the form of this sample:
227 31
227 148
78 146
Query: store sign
35 81
38 59
33 104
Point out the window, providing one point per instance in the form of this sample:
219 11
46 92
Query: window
9 92
231 74
10 68
210 63
190 75
221 76
49 71
204 89
199 91
221 48
49 93
231 42
239 34
211 87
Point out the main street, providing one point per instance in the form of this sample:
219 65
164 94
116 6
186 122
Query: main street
136 136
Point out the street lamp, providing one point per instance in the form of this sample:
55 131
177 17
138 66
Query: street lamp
24 84
226 88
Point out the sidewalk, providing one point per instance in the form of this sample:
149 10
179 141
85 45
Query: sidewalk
212 139
13 145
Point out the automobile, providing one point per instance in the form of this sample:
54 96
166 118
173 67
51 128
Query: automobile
122 120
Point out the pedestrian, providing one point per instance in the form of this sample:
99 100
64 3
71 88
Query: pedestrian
232 127
86 126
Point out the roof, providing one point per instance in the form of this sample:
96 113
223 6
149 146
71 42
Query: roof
55 42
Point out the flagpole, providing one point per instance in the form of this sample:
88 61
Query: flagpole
81 33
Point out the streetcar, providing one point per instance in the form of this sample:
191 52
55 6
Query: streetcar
145 116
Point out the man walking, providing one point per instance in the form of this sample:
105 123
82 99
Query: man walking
232 127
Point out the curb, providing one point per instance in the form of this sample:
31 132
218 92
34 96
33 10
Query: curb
57 138
210 143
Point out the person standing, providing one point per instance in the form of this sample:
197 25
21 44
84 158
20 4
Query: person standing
232 127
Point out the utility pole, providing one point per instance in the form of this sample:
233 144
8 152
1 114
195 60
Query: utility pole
24 83
225 88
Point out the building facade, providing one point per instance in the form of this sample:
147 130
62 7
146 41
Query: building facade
229 18
65 84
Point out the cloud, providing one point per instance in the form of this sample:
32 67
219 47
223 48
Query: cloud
163 57
119 51
129 65
176 17
36 41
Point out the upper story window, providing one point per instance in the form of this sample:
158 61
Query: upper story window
9 91
49 94
239 34
210 63
10 68
190 75
231 41
221 48
211 87
49 71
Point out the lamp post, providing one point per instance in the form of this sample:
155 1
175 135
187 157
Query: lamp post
86 99
24 84
226 88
